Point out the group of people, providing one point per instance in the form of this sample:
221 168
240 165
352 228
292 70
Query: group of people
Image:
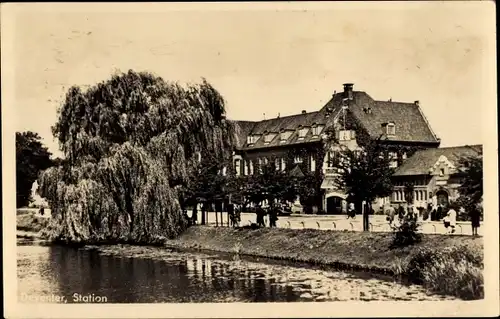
448 217
261 212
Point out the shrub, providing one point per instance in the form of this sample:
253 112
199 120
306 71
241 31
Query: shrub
406 233
455 271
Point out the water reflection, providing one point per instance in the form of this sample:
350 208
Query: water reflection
126 274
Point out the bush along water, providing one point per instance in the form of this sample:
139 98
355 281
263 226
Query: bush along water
455 271
406 232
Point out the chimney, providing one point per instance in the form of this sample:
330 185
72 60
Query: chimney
417 103
348 90
304 112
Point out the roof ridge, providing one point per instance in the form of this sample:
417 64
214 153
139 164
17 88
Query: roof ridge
391 101
282 117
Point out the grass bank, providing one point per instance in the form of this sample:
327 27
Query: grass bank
444 264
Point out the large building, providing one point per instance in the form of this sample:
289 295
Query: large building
435 173
294 142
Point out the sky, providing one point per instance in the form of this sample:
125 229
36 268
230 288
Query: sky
266 60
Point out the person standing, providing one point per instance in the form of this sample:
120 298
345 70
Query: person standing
401 212
451 219
273 216
230 213
351 211
391 213
260 216
475 217
194 215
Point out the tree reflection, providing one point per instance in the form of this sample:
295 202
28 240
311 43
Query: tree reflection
138 279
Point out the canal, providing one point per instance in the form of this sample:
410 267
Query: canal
134 274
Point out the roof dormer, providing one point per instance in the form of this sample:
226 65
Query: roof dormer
252 139
316 129
285 135
302 131
389 129
268 137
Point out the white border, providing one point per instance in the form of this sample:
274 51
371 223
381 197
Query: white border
487 307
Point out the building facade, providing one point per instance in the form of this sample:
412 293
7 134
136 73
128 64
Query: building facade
435 173
296 142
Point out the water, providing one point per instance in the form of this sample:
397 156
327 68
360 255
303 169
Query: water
131 274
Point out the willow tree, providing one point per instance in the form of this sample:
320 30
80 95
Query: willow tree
130 145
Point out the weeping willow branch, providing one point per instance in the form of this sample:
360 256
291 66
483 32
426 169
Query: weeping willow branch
130 144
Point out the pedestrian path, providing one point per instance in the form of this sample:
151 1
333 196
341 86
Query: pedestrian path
340 222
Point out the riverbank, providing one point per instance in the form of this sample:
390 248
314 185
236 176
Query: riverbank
28 225
449 264
442 263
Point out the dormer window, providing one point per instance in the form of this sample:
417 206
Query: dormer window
302 132
285 135
391 129
252 139
316 130
269 137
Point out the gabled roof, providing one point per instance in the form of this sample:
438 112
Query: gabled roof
420 162
276 125
411 124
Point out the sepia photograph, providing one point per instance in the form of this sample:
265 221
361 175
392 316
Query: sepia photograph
266 159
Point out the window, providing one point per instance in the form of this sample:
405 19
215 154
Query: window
224 171
441 172
252 139
391 129
332 157
269 137
198 156
313 164
346 135
302 132
284 136
297 160
283 164
251 167
277 164
393 157
316 130
237 167
245 167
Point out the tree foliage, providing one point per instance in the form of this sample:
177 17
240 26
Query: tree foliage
471 189
363 174
131 144
31 158
472 186
409 189
268 183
